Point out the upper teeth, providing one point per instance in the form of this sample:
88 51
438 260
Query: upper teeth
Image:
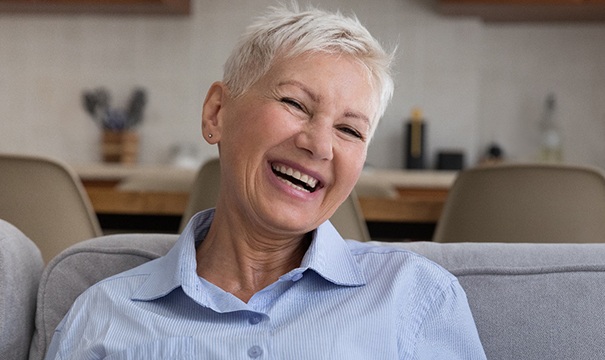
309 180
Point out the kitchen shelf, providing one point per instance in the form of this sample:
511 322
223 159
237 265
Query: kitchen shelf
157 7
526 10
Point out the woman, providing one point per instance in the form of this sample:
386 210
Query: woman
292 142
265 275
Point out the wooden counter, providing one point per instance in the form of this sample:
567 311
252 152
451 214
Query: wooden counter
137 190
385 196
418 196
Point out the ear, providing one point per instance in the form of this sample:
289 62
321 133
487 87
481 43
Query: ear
212 112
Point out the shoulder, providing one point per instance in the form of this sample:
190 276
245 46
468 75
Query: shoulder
380 261
111 294
377 251
113 289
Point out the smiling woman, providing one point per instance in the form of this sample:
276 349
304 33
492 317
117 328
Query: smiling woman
300 114
301 96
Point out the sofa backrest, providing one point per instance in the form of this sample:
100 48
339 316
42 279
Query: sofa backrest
530 301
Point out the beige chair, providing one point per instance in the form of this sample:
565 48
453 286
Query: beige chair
204 191
528 203
45 199
348 219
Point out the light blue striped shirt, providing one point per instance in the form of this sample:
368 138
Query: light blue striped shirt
347 300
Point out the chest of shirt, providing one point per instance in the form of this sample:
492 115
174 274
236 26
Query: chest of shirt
308 320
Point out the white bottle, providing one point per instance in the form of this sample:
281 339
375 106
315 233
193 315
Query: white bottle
550 138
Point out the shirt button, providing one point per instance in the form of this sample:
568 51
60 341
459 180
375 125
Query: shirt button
297 276
255 352
253 320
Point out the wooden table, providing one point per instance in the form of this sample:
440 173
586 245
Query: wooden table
137 190
406 197
411 211
418 196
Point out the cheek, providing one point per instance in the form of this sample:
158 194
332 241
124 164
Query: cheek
260 120
240 127
350 164
358 155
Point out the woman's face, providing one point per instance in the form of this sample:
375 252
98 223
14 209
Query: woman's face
292 147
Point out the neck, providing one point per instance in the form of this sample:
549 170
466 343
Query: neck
243 264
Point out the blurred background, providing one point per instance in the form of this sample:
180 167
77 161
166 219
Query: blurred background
477 82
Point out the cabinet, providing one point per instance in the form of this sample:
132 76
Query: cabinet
159 7
525 10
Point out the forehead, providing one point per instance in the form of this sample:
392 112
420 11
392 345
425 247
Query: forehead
318 62
335 76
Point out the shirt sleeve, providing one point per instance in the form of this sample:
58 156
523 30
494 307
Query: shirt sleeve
53 349
448 331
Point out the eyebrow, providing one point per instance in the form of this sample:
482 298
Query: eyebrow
316 98
301 86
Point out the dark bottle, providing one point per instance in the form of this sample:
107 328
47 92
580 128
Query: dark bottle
415 140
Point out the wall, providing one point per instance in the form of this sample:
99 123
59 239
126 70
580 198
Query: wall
521 64
475 82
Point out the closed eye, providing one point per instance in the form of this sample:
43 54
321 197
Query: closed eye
351 132
293 103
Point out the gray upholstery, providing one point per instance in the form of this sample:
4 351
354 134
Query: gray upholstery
20 268
530 301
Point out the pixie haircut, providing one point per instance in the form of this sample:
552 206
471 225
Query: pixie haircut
287 32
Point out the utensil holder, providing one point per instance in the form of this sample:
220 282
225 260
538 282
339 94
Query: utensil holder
120 146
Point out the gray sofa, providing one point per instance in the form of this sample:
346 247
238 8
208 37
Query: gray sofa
530 301
20 268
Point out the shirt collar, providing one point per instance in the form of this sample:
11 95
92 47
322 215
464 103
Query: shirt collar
328 255
178 268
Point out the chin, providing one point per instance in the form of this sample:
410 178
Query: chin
292 224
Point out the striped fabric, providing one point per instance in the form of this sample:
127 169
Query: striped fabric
347 300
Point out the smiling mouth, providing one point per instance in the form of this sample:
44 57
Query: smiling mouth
295 178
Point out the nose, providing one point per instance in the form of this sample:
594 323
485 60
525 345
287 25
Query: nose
316 139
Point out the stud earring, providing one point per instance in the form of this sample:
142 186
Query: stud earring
210 135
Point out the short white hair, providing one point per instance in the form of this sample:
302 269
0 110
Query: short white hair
289 32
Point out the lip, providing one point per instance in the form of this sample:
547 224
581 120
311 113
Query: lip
297 167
